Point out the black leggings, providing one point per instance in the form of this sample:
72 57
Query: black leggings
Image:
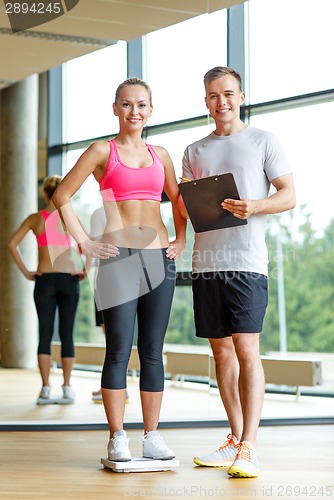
54 290
137 283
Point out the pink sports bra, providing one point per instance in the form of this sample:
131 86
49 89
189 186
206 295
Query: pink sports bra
121 182
52 236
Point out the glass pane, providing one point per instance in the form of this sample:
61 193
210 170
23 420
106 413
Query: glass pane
184 262
89 88
305 236
290 47
177 59
85 329
186 363
175 143
88 198
181 328
310 150
84 202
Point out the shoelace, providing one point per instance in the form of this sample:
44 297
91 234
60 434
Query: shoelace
227 443
157 441
244 452
120 442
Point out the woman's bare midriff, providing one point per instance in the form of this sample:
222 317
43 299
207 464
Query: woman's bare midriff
135 224
54 259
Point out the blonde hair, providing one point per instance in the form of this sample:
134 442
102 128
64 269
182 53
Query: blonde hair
50 184
133 81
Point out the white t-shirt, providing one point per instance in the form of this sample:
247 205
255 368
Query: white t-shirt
255 158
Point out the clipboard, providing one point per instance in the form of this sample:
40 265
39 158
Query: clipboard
203 198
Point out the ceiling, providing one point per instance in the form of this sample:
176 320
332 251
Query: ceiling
87 25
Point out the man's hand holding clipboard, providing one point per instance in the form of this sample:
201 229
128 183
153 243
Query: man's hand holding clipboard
203 199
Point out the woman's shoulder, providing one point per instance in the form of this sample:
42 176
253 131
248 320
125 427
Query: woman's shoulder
33 221
158 148
97 154
35 217
100 147
161 152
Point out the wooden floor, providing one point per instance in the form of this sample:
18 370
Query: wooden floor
296 462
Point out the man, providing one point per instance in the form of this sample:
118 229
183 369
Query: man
230 264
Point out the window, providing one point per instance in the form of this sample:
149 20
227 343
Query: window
176 141
85 201
89 88
88 198
289 48
309 149
177 59
305 234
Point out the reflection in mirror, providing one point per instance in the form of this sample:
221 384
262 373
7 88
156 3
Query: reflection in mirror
181 116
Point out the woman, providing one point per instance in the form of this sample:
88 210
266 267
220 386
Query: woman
136 277
56 286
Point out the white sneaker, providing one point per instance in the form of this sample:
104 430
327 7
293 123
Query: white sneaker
118 447
155 447
97 398
246 463
223 457
68 392
45 392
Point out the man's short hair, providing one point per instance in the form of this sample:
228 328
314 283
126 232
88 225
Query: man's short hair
220 71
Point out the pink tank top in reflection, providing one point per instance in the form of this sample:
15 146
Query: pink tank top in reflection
52 236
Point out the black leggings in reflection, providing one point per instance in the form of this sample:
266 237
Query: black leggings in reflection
151 306
52 291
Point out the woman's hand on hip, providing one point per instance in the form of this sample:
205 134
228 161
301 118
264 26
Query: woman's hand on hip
175 249
98 250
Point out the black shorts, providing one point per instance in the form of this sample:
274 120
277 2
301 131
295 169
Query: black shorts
227 302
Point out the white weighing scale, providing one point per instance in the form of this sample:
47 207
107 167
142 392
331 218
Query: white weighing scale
55 401
140 464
